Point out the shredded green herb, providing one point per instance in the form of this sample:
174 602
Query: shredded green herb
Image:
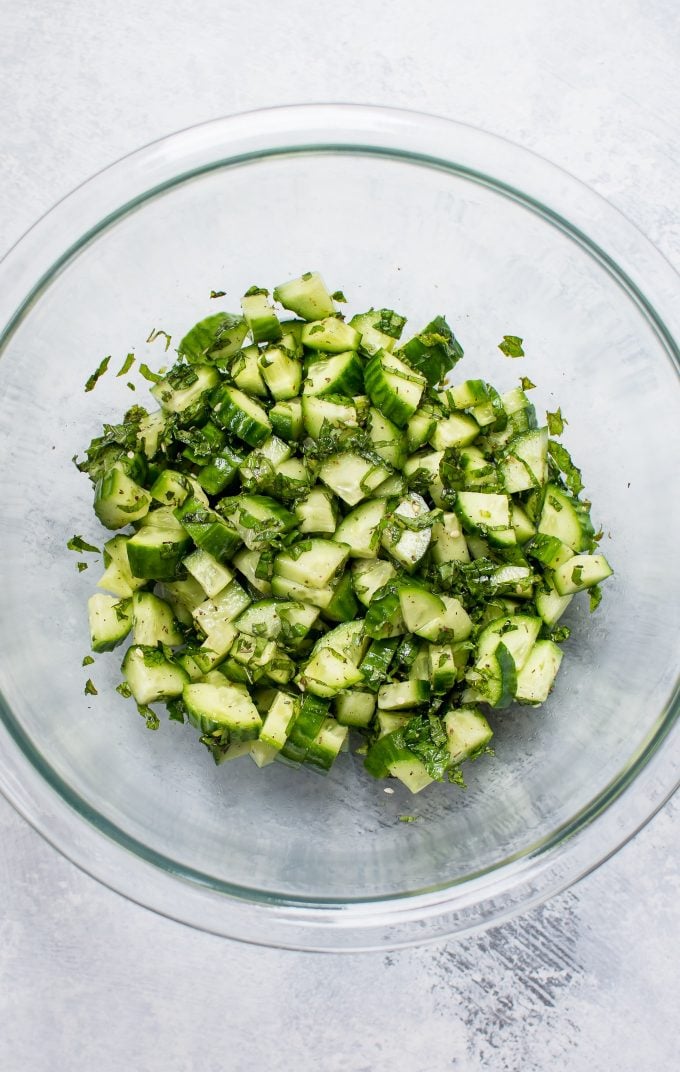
92 380
77 543
89 689
511 346
127 365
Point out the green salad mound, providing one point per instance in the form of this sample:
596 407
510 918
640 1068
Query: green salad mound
319 534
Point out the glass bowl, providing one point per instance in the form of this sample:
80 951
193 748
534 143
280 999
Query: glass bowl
425 216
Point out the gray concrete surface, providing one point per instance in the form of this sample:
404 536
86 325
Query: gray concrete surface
589 981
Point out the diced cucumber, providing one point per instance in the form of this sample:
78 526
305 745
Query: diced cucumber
170 488
393 387
307 296
566 518
458 430
448 541
257 518
487 514
343 606
222 711
279 719
525 461
319 411
522 524
281 371
224 607
579 573
407 545
400 695
153 621
316 513
240 415
340 374
157 553
368 576
313 562
260 317
286 419
151 676
117 577
212 575
420 427
537 676
360 529
287 589
208 530
110 621
247 563
551 605
387 440
351 477
330 335
118 500
354 708
467 734
246 374
174 399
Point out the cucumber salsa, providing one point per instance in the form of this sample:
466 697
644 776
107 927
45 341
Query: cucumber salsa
318 531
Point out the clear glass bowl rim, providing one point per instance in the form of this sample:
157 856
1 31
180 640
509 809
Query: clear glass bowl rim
617 813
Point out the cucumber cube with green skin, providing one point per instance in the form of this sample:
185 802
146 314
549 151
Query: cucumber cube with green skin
370 575
224 711
448 541
360 529
458 430
286 419
208 530
279 719
467 394
351 477
313 562
151 676
119 500
402 695
260 317
330 336
153 621
225 607
240 415
218 334
407 546
246 374
525 461
247 562
388 440
537 676
117 577
566 518
327 745
256 518
339 374
307 296
579 573
343 607
287 589
220 471
157 553
551 605
110 621
317 513
170 488
467 734
419 429
317 411
211 574
393 387
281 371
177 400
354 708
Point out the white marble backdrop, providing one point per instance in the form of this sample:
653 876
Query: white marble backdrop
588 983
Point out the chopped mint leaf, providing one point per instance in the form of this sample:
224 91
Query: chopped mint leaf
97 374
156 334
556 422
81 566
124 690
87 661
511 346
390 323
126 366
217 293
526 384
408 818
455 775
562 459
146 372
560 633
77 543
256 290
338 296
151 718
131 386
595 594
89 689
